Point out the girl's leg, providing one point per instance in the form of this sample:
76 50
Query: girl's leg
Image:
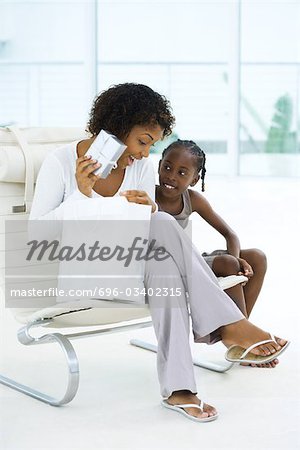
258 261
223 266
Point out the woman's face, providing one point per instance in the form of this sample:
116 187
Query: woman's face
138 142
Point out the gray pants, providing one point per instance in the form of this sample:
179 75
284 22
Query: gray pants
198 289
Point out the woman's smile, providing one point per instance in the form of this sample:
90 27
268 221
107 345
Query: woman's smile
139 142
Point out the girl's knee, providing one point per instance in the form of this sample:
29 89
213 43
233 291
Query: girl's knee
260 255
255 257
226 265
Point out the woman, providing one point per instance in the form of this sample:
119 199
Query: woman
139 117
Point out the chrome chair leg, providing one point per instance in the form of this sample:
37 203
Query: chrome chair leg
72 362
25 338
221 367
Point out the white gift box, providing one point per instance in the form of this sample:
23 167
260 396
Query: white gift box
106 149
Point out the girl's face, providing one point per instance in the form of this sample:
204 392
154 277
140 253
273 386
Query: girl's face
138 142
177 171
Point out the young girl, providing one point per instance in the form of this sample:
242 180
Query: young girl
181 166
139 117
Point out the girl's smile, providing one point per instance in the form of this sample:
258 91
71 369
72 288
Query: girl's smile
177 171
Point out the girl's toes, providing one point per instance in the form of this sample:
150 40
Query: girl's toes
272 364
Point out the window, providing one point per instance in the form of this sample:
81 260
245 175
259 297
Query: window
50 69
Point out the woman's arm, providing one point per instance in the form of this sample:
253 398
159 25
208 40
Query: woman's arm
147 178
144 193
204 209
48 203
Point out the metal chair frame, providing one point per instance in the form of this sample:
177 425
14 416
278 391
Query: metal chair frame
24 337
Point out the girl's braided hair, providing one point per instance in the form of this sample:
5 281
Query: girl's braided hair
195 150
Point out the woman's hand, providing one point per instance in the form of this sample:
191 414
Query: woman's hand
140 197
84 174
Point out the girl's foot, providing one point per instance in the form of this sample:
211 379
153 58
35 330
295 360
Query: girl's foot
269 365
245 334
185 397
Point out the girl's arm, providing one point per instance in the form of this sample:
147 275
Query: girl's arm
204 209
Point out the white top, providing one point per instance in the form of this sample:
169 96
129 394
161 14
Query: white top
56 183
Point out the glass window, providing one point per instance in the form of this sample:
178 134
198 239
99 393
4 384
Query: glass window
50 52
270 54
180 49
41 63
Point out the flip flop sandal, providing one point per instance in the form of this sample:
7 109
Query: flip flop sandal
179 408
238 354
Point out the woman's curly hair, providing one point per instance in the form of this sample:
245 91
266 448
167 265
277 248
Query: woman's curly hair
121 107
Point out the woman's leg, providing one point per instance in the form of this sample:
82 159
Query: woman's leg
243 296
224 265
171 323
214 315
170 317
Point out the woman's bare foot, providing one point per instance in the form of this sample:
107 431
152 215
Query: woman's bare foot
269 365
245 334
185 397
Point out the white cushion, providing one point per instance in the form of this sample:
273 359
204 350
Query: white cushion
231 280
40 141
97 312
76 314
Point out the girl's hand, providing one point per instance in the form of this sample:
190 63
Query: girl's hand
84 176
246 269
140 197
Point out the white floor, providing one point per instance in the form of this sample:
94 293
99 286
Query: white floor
117 406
